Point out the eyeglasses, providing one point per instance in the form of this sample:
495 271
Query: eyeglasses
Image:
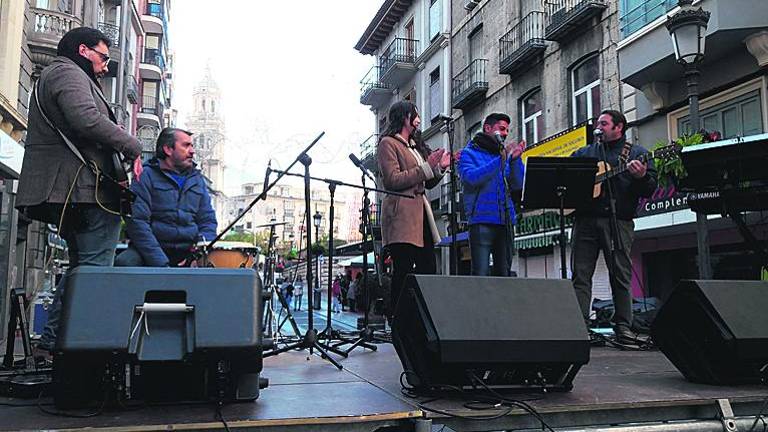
104 57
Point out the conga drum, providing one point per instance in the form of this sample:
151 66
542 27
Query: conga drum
230 254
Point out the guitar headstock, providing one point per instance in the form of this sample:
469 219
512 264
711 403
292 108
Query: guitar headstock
668 152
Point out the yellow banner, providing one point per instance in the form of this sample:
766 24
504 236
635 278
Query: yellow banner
562 144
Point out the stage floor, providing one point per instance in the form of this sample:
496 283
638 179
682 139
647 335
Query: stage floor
616 387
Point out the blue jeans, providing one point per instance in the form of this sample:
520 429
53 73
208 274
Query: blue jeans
487 239
91 235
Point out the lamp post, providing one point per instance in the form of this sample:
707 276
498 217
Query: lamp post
687 28
317 220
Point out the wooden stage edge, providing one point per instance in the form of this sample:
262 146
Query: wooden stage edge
296 422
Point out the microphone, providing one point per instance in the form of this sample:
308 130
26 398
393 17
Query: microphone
266 178
499 139
358 163
598 133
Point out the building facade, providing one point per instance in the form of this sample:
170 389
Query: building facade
733 101
153 73
285 203
410 44
29 35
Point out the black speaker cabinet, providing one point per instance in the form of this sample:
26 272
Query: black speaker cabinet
506 332
158 334
716 332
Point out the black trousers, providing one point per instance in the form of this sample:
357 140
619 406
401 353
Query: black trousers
409 259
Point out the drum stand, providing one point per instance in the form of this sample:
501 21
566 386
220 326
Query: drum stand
274 292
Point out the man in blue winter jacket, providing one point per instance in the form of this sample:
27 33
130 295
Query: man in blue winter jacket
488 200
172 211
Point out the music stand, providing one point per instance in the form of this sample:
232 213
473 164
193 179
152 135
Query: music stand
558 182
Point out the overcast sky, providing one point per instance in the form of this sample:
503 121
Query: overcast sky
287 71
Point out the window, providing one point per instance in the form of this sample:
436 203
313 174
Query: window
203 105
435 19
149 96
585 82
410 35
152 41
435 96
213 106
635 14
532 120
382 124
474 130
411 96
476 44
740 116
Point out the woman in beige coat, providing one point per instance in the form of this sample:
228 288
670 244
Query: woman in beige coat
407 224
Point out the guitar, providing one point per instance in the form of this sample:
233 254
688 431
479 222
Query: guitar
605 171
122 182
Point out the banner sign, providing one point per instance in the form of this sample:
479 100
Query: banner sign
562 144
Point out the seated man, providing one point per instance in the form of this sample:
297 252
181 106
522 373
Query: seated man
172 211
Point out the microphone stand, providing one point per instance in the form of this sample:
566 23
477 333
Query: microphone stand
452 222
309 341
508 228
616 244
329 334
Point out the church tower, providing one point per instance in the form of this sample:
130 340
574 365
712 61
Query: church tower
207 125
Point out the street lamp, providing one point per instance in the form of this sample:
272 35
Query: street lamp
687 28
317 220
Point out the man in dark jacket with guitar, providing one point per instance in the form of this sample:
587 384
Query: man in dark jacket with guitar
61 187
594 229
172 211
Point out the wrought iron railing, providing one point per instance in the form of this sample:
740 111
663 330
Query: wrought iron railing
560 10
372 80
471 76
132 89
530 30
368 147
154 56
400 50
112 31
48 24
636 18
149 104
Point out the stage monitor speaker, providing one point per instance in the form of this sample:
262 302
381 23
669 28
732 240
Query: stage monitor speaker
158 334
716 331
504 332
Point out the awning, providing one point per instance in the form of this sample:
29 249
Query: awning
358 261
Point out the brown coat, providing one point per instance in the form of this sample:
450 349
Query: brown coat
402 219
74 103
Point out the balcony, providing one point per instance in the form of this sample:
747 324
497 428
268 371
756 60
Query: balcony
470 85
153 18
368 152
46 27
150 111
147 136
373 92
113 33
569 17
522 44
131 89
647 60
643 14
397 62
153 65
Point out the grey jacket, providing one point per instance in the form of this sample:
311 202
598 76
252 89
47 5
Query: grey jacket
75 104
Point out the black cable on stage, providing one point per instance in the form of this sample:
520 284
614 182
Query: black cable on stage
220 417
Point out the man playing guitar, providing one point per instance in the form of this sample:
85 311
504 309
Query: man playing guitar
71 140
594 228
